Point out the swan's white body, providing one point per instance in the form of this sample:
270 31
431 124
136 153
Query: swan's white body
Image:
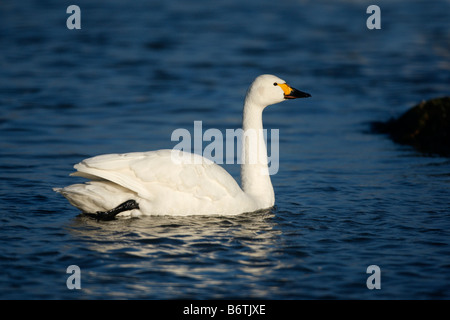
170 182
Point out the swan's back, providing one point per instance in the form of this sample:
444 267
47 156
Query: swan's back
167 181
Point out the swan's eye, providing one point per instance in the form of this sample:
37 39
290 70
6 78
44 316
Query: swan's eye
275 84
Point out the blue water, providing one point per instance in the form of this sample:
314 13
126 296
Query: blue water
136 71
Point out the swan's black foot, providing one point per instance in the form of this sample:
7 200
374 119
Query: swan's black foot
111 214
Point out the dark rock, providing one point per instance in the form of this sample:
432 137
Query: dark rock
425 127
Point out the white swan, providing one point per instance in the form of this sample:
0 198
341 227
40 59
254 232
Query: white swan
169 182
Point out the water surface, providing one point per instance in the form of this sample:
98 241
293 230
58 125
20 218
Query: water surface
345 198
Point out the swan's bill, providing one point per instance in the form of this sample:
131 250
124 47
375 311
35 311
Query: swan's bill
292 93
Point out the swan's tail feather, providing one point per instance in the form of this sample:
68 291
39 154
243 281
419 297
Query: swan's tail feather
94 196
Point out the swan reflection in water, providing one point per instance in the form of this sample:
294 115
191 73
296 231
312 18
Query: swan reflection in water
172 255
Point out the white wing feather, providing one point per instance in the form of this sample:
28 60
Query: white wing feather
153 174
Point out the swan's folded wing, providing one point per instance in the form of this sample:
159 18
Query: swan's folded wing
146 172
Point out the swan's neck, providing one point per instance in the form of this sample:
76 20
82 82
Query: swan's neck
255 178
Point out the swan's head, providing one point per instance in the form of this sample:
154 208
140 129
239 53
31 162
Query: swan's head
268 89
